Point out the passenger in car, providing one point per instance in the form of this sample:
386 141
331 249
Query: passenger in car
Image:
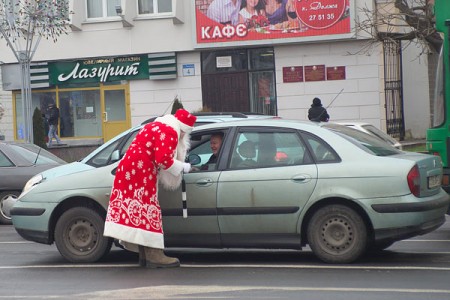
247 150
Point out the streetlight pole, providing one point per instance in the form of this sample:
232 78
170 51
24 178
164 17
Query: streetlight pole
22 24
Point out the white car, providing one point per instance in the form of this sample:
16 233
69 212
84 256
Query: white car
372 130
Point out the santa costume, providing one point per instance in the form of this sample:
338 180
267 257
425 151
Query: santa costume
157 153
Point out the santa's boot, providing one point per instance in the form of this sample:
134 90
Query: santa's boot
155 258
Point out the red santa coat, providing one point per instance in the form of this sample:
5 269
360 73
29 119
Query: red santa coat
134 214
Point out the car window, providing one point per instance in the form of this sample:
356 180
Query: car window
364 141
268 149
321 151
36 155
201 145
4 161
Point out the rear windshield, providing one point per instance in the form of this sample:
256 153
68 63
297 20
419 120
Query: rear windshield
36 155
363 140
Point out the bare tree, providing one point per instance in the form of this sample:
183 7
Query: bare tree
22 24
411 21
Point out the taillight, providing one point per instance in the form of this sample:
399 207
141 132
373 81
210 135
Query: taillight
414 181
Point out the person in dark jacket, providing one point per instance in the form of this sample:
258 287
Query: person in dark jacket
317 112
53 119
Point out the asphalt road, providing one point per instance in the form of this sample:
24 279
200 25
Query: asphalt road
413 269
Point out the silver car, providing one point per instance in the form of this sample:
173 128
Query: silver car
276 184
18 163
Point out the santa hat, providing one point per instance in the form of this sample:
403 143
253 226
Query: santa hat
186 119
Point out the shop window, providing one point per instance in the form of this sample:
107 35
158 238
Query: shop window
102 8
146 7
262 92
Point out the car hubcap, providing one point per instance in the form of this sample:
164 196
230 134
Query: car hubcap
82 236
337 234
6 205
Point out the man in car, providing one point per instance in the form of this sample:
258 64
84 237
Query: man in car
215 143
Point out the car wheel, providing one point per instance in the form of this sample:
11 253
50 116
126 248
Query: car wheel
5 215
337 234
79 236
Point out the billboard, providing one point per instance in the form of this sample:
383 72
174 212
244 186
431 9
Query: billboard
240 22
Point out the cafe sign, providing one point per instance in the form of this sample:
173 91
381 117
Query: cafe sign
303 21
99 70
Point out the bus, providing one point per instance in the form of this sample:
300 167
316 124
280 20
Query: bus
438 136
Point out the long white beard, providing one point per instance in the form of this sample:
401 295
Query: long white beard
168 180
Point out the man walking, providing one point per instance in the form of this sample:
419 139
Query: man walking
53 120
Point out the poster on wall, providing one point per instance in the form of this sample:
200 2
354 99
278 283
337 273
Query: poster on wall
229 21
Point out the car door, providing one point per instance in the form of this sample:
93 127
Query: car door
259 202
200 228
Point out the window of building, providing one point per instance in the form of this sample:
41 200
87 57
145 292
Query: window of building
147 7
256 66
101 8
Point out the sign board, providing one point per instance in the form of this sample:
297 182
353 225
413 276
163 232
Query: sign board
189 70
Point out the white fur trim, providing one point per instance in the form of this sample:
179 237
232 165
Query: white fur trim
134 235
185 127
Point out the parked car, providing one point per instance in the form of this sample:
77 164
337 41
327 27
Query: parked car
370 129
301 183
18 163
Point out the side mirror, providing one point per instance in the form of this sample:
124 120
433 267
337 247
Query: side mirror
194 159
115 156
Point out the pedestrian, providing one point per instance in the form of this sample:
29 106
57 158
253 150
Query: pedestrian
317 112
157 154
53 120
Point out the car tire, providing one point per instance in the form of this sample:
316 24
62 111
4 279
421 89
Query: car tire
79 236
5 216
337 234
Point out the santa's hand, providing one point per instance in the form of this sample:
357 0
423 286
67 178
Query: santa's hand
186 167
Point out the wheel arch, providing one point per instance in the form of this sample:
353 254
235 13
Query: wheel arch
330 201
71 203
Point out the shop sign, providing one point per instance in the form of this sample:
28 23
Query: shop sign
308 20
99 70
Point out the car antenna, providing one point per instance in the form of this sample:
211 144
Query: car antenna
37 156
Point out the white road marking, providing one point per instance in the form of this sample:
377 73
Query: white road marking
221 266
196 291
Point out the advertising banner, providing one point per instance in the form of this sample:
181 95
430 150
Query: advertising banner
274 21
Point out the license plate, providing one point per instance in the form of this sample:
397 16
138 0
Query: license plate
434 181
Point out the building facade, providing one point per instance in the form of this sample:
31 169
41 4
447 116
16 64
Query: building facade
123 62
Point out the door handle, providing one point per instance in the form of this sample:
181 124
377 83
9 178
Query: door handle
301 178
105 116
204 182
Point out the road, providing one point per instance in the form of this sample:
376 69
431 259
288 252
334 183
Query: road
417 268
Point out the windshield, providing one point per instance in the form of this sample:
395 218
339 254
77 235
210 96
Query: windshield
30 152
438 103
363 140
380 134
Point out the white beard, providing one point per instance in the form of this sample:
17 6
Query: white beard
168 180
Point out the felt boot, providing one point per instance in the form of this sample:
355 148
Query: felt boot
155 258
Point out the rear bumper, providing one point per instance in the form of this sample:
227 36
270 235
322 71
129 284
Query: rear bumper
395 234
412 206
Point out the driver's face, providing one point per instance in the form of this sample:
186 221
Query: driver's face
215 142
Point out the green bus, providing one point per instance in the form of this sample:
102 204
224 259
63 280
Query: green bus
438 137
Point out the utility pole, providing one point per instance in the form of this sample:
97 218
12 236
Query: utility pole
22 24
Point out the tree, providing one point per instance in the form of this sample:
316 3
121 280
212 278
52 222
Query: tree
22 24
39 129
411 21
176 105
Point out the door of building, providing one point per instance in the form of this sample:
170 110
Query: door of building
115 108
226 92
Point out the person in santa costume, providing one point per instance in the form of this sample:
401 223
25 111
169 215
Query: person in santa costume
157 154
